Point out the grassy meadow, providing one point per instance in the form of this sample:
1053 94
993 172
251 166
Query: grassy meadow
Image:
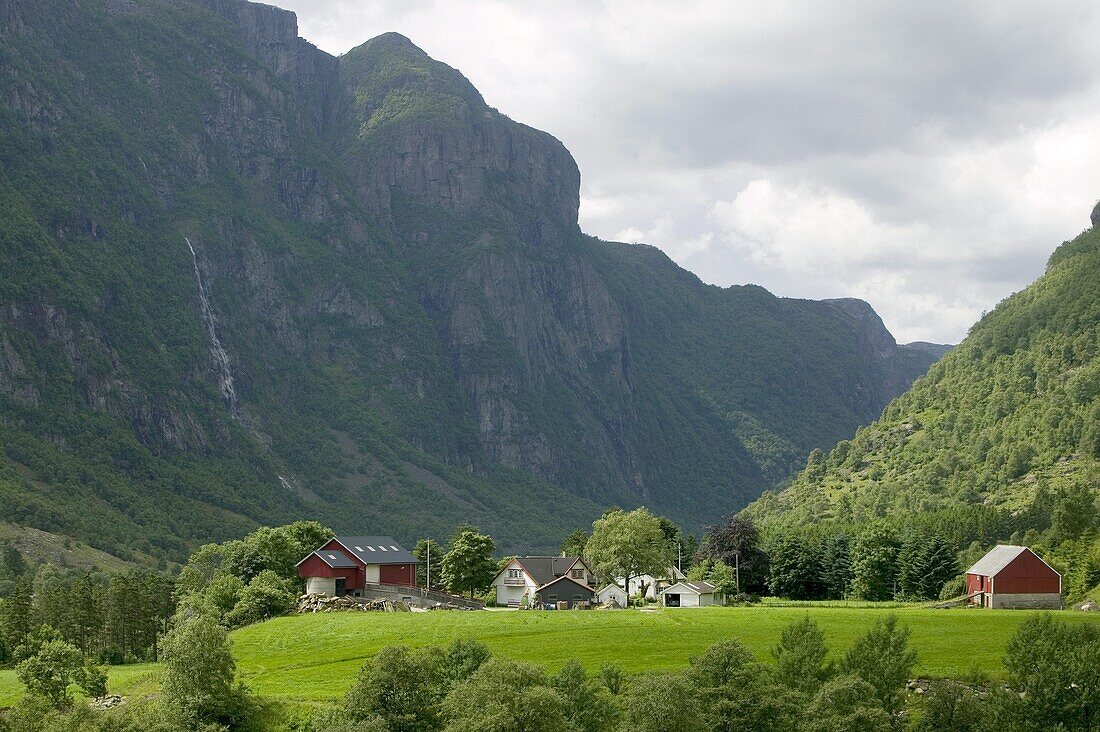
310 658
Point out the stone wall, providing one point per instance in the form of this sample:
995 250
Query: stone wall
1030 601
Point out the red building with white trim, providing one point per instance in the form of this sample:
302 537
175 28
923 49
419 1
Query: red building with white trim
1013 577
346 565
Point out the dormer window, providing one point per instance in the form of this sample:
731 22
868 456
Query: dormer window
577 574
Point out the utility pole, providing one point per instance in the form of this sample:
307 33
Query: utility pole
428 581
737 570
679 558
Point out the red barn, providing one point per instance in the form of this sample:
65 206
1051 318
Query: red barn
347 564
1013 577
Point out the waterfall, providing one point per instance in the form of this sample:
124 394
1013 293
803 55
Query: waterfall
210 322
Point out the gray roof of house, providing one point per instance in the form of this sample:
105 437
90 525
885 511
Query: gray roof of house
703 588
335 559
377 550
997 559
546 569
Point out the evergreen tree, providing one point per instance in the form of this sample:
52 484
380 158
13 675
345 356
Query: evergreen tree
874 564
795 569
836 565
574 544
86 599
17 613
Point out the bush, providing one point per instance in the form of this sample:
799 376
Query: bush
56 666
954 587
400 687
883 659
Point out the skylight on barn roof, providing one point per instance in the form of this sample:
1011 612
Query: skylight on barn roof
394 548
371 548
383 548
358 548
332 556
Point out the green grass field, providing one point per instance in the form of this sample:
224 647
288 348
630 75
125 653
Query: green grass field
311 658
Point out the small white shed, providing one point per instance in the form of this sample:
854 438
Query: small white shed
612 592
691 594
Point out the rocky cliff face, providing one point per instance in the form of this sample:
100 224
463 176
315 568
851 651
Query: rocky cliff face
276 283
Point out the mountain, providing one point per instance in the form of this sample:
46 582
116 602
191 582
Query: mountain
246 281
1007 419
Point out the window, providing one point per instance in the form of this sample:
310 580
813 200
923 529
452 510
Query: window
371 548
515 573
551 598
578 598
383 548
577 574
394 548
359 549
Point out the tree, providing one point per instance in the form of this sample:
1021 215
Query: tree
399 686
836 561
197 685
589 705
660 702
800 657
1056 666
843 704
506 696
795 569
267 595
924 565
883 659
627 545
737 543
949 705
16 614
468 565
874 564
574 544
54 668
429 552
1075 512
461 659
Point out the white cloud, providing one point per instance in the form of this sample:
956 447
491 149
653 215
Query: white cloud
925 156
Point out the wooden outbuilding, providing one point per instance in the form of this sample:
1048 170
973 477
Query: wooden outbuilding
564 589
1013 577
346 565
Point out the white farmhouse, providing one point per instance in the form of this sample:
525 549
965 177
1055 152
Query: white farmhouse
653 585
522 577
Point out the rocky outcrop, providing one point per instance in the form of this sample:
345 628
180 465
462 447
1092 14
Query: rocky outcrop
387 294
1096 215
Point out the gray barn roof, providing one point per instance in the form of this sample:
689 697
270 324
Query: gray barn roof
997 559
377 550
701 588
335 559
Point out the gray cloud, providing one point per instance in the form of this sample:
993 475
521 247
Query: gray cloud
924 156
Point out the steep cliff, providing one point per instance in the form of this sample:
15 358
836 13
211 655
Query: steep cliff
247 281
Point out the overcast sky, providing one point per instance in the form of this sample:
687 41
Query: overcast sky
927 157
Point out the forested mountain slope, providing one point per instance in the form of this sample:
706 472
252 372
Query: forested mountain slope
1008 419
247 281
